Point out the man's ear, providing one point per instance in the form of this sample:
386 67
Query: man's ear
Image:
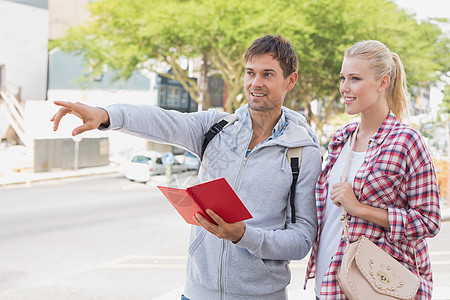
292 79
384 83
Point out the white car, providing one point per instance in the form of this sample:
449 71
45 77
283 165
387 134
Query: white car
143 166
191 162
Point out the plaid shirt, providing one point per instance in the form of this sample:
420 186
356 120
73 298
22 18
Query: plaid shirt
398 175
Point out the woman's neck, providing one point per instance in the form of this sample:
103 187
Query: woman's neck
371 119
370 122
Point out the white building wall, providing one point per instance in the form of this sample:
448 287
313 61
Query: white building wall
23 48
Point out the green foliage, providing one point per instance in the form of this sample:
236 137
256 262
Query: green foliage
140 34
446 101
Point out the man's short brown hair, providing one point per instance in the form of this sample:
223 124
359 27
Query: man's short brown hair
280 49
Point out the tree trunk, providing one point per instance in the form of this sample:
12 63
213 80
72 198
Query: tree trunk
204 95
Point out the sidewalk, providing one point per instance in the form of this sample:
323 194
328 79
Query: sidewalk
12 178
26 177
439 293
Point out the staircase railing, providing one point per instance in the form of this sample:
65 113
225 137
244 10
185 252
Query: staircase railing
14 113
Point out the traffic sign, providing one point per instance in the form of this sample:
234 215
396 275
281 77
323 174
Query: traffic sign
168 159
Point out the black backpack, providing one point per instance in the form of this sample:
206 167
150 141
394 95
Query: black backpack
294 155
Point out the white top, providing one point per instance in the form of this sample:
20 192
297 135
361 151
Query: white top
332 227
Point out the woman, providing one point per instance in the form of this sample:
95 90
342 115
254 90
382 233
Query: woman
390 193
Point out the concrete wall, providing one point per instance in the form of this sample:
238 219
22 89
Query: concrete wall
23 51
66 154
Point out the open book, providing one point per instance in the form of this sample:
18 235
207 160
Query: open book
216 195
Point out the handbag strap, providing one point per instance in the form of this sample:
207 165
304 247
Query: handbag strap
343 176
342 179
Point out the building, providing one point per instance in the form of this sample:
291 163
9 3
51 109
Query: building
24 50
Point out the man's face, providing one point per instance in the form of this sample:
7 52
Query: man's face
264 83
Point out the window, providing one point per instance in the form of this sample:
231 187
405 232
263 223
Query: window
184 99
173 96
162 96
141 159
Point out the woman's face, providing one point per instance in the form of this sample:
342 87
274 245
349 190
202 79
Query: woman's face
359 87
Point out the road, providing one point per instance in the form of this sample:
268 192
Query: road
95 238
105 237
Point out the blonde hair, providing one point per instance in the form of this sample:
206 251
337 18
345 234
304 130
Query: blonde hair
385 62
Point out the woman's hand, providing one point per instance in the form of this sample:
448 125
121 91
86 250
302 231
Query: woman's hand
342 195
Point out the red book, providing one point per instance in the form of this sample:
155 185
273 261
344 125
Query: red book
216 195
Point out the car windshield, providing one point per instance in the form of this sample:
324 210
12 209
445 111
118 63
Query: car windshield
189 154
141 159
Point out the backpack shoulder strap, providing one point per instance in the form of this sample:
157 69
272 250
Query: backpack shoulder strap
221 124
294 156
295 153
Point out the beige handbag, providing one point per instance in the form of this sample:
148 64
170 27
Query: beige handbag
368 272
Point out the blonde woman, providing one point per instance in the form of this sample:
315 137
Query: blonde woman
390 193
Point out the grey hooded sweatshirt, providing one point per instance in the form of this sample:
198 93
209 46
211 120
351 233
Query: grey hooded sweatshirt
257 267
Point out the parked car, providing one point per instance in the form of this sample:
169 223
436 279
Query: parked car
144 165
190 161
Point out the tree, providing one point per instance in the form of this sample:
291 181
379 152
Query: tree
140 34
446 101
337 24
135 35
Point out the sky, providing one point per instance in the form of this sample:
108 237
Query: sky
427 9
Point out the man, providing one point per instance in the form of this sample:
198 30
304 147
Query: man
243 260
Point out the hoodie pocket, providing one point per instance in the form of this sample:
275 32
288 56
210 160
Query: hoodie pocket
203 262
247 274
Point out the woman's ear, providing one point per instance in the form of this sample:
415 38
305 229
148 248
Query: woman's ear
384 83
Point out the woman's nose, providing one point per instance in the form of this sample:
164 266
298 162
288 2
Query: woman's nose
344 87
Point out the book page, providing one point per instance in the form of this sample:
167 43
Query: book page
183 203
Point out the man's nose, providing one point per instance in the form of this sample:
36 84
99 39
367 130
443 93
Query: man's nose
257 81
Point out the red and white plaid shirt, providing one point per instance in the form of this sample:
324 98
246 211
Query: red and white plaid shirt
398 175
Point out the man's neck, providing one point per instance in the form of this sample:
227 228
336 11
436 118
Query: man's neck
263 123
